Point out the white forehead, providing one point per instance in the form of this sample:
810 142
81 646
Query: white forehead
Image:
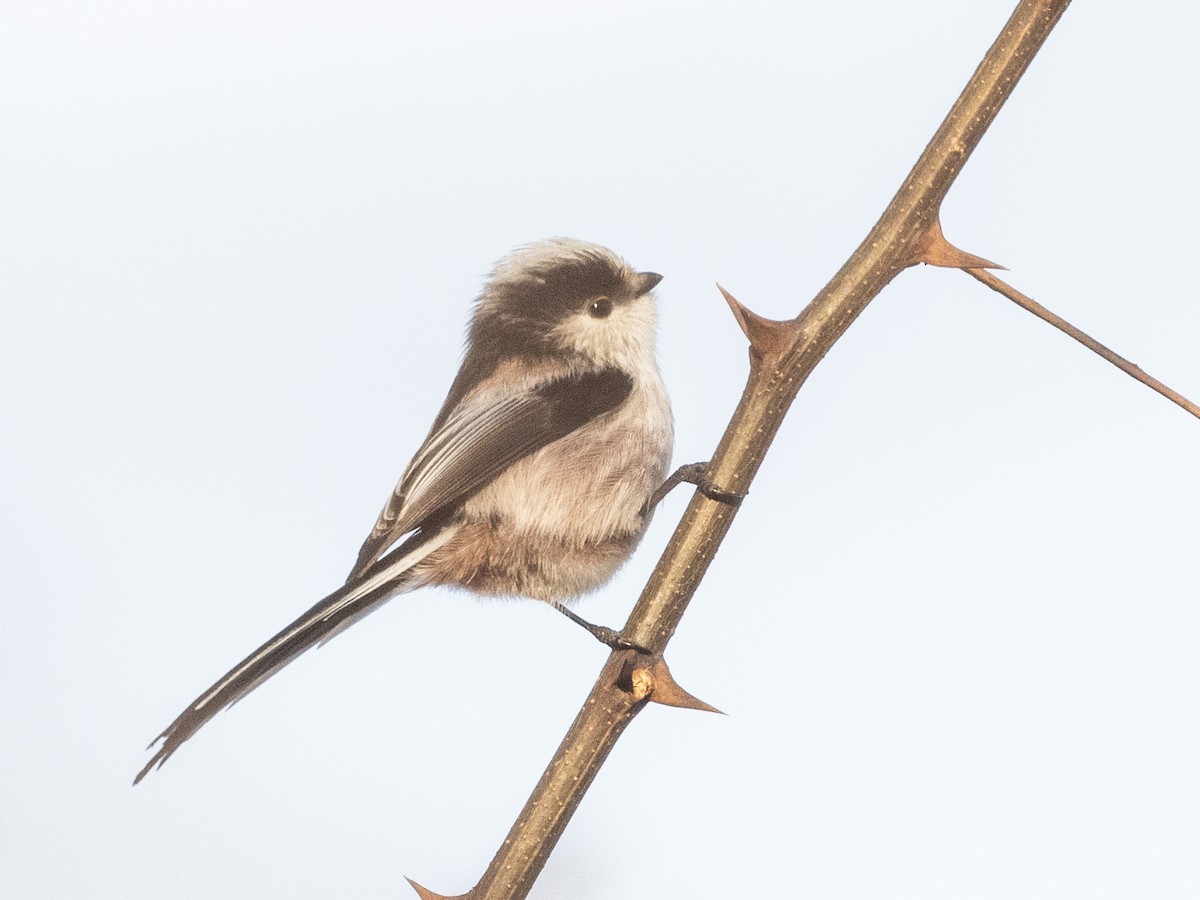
531 258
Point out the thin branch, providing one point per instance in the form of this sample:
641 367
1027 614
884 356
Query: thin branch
1134 371
782 355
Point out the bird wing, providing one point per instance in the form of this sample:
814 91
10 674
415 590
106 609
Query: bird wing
484 434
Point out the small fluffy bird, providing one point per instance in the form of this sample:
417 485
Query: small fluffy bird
538 474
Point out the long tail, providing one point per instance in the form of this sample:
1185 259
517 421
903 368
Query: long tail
341 609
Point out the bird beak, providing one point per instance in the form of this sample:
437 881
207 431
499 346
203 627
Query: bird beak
647 281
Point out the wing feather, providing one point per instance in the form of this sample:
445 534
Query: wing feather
481 437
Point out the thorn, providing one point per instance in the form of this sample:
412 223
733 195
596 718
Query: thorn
933 249
427 894
768 337
656 683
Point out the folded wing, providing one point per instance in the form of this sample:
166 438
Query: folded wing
480 438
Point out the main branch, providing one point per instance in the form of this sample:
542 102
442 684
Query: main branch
782 355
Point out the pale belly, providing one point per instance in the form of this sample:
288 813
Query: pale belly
560 522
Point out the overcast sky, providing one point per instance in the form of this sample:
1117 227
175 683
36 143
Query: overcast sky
955 626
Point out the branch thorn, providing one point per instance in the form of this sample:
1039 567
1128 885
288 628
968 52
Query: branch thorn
933 249
427 894
656 684
768 337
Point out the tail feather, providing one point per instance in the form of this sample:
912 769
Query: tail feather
349 603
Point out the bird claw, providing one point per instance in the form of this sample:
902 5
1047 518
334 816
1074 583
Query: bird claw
612 639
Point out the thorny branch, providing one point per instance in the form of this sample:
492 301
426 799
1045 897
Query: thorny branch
782 355
1130 369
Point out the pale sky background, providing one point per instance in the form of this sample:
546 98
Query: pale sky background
955 627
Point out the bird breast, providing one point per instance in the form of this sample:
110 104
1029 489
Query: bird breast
561 521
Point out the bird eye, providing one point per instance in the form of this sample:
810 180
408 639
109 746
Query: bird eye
600 308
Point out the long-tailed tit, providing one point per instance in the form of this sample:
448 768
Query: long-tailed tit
537 476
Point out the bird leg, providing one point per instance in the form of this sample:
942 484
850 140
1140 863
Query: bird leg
693 473
610 637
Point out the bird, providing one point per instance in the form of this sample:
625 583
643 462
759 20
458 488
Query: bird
540 472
